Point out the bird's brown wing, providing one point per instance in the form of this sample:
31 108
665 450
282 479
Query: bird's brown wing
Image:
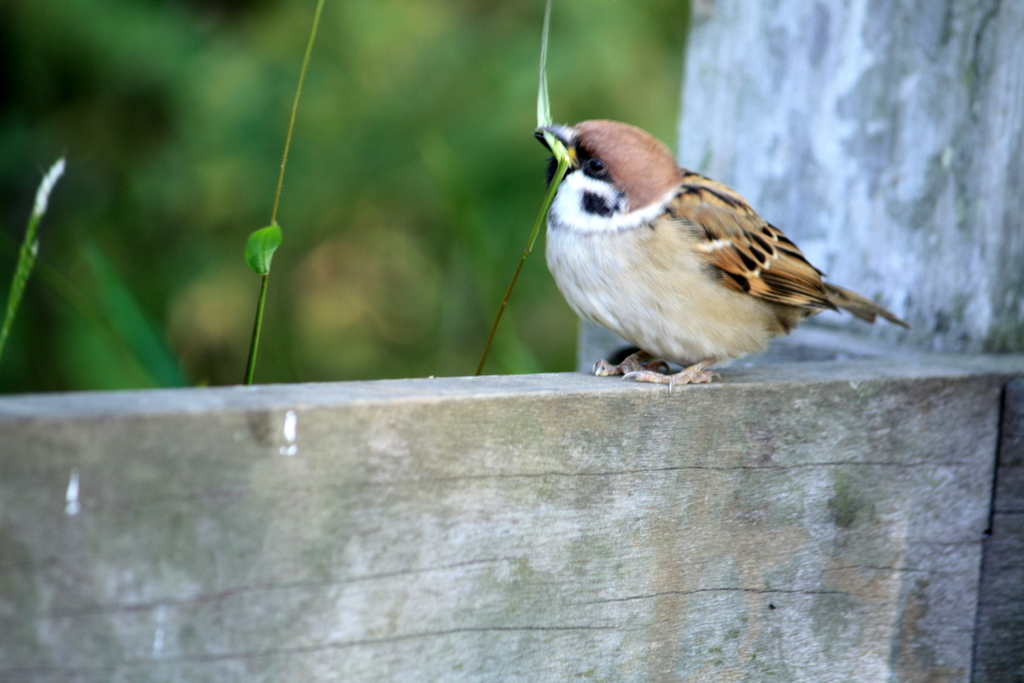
751 255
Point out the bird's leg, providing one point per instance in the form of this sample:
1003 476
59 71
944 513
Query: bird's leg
641 361
694 374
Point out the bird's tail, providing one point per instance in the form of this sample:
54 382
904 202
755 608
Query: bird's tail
859 306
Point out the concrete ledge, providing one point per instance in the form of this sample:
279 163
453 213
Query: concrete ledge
799 522
999 656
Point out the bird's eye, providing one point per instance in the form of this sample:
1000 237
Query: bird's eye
596 168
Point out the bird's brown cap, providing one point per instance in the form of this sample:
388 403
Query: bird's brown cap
638 163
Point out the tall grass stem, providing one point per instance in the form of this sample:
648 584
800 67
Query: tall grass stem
29 248
250 368
563 166
561 155
295 108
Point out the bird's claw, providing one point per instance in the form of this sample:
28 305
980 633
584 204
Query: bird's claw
689 375
640 361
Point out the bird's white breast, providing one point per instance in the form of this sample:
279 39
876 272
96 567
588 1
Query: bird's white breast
643 280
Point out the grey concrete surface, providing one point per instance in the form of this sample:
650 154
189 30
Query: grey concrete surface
796 522
1000 636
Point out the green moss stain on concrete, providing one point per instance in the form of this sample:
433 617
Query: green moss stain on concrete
849 504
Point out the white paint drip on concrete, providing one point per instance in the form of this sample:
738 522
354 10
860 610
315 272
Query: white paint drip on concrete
291 425
158 637
73 506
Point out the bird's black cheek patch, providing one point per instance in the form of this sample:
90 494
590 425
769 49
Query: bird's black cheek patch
596 204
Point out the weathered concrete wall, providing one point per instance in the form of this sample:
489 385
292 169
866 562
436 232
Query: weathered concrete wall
803 522
1000 652
886 139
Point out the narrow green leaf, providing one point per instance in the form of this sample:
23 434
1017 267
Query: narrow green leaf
543 104
131 323
259 250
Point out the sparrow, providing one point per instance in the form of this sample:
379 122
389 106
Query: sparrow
677 264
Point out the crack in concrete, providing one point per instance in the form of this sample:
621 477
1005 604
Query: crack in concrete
758 591
268 586
301 650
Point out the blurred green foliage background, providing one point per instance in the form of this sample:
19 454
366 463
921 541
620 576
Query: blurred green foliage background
412 185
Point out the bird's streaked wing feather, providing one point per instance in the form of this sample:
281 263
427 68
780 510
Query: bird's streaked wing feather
753 256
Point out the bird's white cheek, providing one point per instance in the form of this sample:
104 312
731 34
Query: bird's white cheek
570 208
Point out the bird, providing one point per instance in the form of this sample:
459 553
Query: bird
675 263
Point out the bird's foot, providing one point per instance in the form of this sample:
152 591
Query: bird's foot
641 361
694 374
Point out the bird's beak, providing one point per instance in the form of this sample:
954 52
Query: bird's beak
564 134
